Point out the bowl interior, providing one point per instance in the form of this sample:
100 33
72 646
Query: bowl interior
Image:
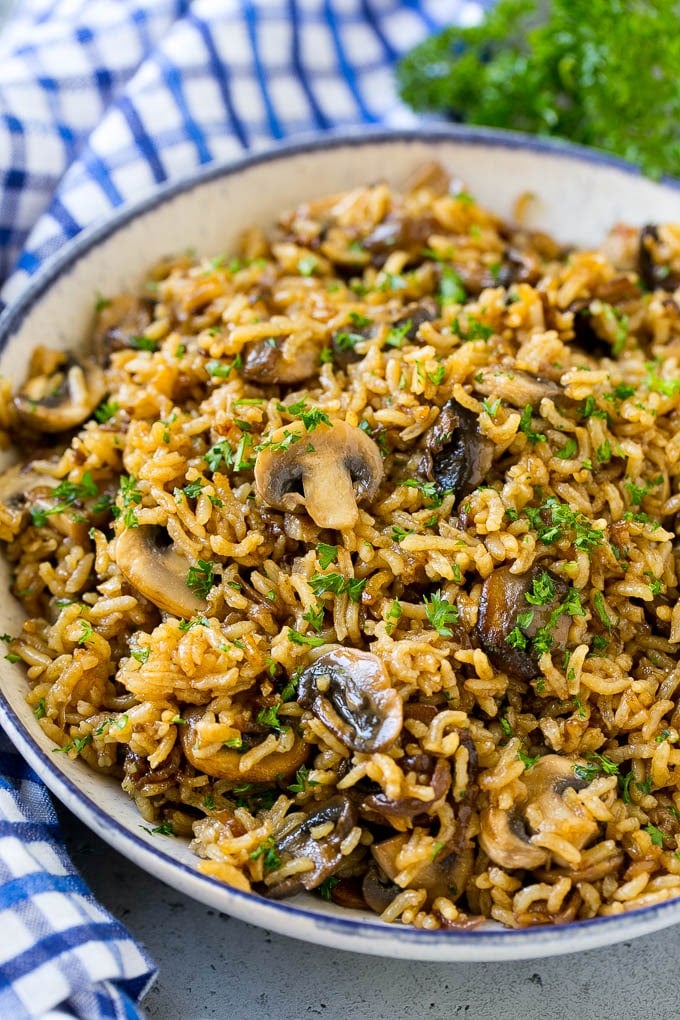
575 196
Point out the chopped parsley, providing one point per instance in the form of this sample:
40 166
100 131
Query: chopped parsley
106 411
327 554
568 451
440 614
200 578
302 781
267 850
296 638
307 265
270 717
655 834
338 585
164 829
397 334
143 343
526 427
528 760
451 288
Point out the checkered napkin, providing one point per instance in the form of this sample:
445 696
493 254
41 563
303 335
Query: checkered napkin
99 101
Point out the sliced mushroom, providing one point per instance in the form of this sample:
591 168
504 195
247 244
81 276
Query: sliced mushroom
457 456
350 692
17 483
506 836
278 360
326 472
398 232
378 890
502 606
225 763
324 851
119 321
654 267
516 388
445 876
63 399
157 570
415 315
432 772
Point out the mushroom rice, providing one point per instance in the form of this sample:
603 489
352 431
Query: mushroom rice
353 556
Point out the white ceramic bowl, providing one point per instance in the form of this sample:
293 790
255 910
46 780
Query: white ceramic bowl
578 196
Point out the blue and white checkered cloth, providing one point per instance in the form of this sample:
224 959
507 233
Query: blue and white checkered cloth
100 100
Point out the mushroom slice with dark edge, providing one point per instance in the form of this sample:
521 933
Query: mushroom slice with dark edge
349 691
275 361
457 456
120 321
326 472
157 570
63 399
431 771
506 836
324 851
446 875
502 606
516 388
17 485
225 763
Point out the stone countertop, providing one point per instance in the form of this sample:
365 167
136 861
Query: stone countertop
211 965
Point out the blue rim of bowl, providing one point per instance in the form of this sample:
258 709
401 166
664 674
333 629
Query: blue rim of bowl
361 935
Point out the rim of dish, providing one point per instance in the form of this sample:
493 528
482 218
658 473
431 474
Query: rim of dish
355 934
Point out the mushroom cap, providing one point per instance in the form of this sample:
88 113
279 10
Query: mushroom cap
333 465
350 692
506 836
157 570
63 399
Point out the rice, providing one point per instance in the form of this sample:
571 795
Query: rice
352 554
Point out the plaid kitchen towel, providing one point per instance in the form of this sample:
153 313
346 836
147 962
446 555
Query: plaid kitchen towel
100 100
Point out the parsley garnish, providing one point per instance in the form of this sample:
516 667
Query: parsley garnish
302 781
339 585
143 343
525 427
106 411
297 638
200 578
268 851
270 717
451 288
327 554
164 829
527 760
440 613
655 834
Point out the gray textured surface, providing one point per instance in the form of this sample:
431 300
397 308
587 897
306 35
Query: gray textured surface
214 966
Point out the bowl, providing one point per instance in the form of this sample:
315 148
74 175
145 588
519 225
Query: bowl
577 195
